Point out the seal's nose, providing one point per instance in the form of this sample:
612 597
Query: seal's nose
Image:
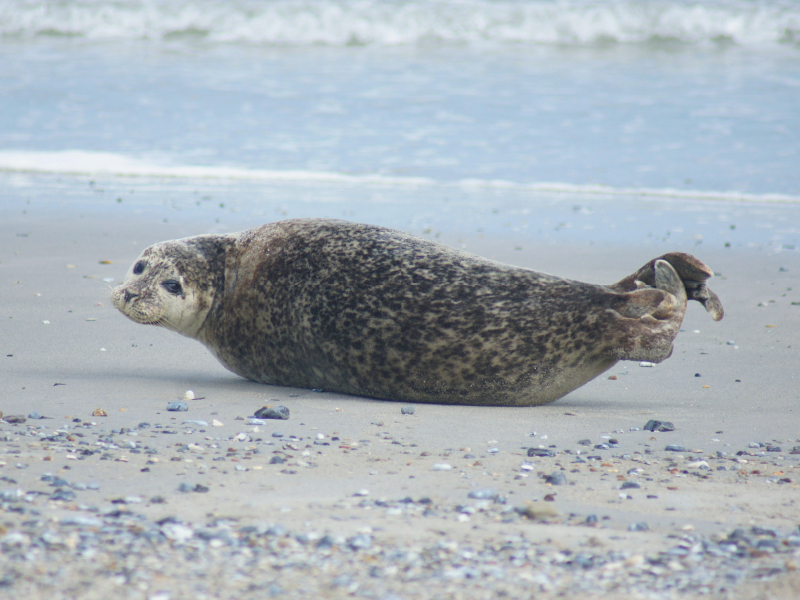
129 295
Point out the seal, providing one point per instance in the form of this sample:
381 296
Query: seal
370 311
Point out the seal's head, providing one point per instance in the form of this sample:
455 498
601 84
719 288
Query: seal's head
173 284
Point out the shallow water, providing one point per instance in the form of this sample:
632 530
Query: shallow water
666 101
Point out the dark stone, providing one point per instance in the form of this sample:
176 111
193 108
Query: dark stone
556 478
661 426
629 485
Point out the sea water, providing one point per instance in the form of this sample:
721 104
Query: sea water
407 112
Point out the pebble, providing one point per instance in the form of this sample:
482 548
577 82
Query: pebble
675 448
645 363
629 485
641 526
485 494
441 467
197 422
407 410
269 412
14 419
188 395
177 406
35 415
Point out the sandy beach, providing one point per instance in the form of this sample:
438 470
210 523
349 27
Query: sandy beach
366 501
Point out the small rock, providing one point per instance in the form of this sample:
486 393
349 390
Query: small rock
177 406
188 395
215 423
407 410
360 542
441 467
198 422
629 485
276 460
268 412
540 452
99 412
35 415
14 419
645 363
556 478
641 526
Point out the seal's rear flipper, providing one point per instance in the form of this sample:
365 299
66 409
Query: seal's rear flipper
692 272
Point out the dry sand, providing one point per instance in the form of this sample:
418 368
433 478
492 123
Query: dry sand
66 352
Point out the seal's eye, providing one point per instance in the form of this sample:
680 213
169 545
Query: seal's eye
138 268
172 286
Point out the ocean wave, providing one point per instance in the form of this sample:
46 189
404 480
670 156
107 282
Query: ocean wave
107 164
406 22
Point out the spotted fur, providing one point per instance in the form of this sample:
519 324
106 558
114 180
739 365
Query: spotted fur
374 312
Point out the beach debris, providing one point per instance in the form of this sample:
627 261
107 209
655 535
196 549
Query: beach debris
177 406
99 412
15 419
270 412
215 423
645 363
407 410
658 426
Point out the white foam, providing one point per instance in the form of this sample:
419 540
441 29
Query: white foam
79 162
385 22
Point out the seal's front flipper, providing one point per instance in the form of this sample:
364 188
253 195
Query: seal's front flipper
692 272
